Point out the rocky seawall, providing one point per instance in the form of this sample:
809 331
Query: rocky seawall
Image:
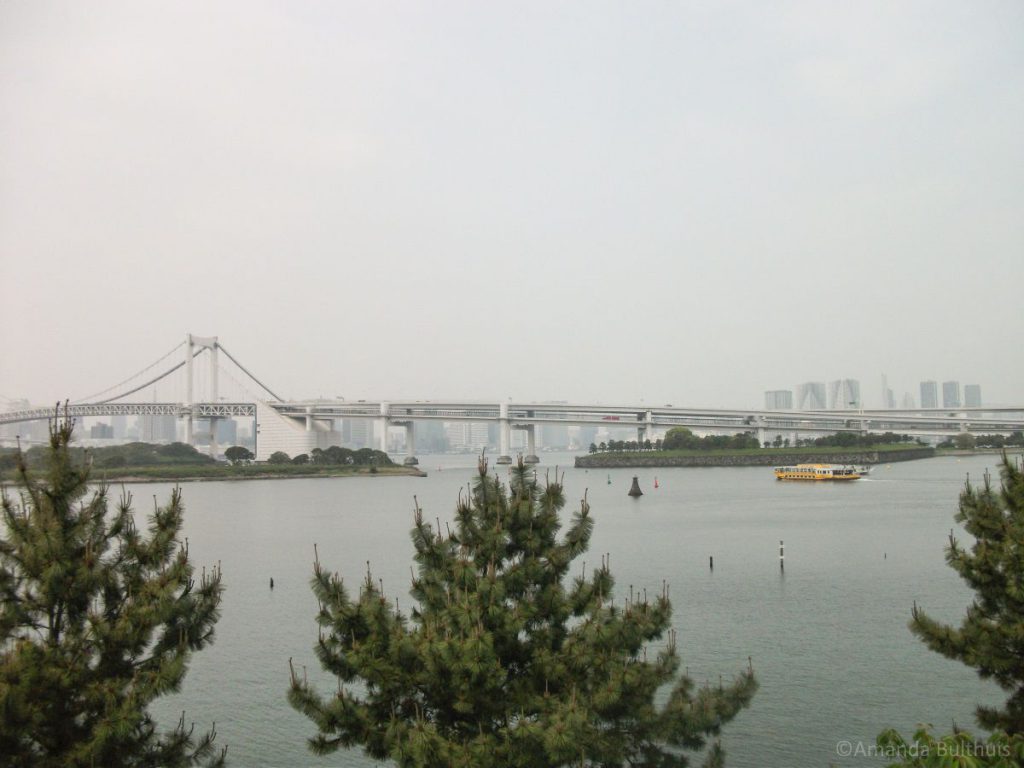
655 459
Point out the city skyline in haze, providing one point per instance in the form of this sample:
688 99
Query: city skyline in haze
685 204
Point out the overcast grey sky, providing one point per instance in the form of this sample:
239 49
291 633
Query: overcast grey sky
680 202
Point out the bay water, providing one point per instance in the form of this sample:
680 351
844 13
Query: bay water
828 637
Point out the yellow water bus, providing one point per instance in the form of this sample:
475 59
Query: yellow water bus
817 472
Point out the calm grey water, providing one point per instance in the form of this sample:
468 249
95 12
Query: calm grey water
829 639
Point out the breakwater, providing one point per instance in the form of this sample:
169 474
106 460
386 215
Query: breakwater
753 459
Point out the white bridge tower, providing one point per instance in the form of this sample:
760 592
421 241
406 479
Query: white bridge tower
202 342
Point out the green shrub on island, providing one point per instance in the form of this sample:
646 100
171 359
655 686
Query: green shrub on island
238 455
683 439
967 441
338 456
112 456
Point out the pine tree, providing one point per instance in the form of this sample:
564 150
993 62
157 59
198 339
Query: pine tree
991 636
98 620
501 662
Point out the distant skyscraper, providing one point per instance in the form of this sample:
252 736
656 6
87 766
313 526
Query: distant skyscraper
119 424
158 429
778 400
458 435
951 394
908 402
810 396
101 431
588 435
972 395
430 437
844 394
11 431
356 433
32 432
227 433
478 435
929 394
888 396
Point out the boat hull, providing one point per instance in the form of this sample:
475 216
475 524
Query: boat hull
817 473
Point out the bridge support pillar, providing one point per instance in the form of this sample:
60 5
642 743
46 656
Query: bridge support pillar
203 342
762 435
648 427
410 445
189 354
382 426
504 435
531 445
214 394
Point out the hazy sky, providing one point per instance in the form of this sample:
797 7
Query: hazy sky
680 202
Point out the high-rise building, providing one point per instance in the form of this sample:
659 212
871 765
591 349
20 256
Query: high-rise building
972 395
810 396
586 435
844 395
467 435
778 400
11 431
908 402
119 423
356 433
101 431
430 437
951 394
929 394
553 436
457 433
158 429
227 433
478 436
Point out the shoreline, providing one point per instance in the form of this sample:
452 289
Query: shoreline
97 477
634 460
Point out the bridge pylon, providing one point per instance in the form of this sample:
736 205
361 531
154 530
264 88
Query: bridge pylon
202 342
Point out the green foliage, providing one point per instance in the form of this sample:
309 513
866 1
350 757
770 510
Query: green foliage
302 458
681 438
97 621
238 454
856 440
991 636
965 440
127 455
955 750
338 456
506 660
279 457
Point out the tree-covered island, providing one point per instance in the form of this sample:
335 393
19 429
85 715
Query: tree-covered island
178 462
681 447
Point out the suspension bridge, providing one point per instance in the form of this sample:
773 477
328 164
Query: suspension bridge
299 426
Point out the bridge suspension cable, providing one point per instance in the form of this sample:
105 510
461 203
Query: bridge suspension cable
133 376
168 372
246 371
226 371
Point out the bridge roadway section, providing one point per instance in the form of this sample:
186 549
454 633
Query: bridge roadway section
303 425
645 419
